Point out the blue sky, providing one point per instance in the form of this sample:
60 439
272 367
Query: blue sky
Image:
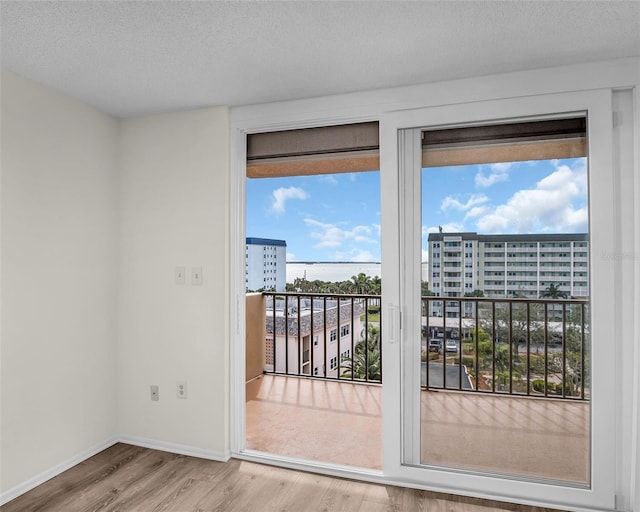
337 217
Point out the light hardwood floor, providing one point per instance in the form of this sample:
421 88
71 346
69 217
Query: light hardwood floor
127 478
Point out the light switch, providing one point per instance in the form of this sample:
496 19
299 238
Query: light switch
180 275
196 276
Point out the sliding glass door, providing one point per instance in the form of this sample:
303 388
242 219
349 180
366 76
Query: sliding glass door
498 355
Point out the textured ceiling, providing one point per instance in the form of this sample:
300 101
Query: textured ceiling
139 57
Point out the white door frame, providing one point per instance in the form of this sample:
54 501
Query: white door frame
399 147
372 105
237 293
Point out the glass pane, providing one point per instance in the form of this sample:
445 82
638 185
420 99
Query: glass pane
505 314
314 362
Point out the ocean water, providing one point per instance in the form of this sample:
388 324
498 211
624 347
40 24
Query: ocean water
329 271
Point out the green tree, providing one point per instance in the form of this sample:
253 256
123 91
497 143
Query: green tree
424 289
365 361
362 284
480 334
553 291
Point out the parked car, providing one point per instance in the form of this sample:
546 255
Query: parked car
451 346
435 345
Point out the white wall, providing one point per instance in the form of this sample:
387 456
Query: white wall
174 212
96 215
58 257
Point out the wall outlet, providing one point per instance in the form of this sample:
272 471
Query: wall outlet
155 393
196 276
181 388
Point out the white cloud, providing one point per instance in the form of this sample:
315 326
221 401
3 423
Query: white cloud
328 178
477 211
497 173
282 195
362 256
501 166
291 257
450 202
494 222
330 235
355 255
449 227
554 205
425 256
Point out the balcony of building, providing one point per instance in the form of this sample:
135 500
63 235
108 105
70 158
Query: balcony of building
529 250
523 405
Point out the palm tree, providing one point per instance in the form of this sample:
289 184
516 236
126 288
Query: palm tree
362 284
365 364
553 291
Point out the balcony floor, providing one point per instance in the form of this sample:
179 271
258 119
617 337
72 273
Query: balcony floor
316 419
341 423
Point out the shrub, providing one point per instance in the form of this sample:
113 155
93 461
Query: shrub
538 385
568 390
468 348
467 361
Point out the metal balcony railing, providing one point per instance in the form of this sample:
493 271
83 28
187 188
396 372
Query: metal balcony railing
523 347
326 336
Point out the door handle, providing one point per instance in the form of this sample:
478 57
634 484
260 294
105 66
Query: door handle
394 323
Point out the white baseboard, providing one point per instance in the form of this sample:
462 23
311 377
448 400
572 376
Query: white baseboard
41 478
176 448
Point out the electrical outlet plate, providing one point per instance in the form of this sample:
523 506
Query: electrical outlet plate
196 276
181 388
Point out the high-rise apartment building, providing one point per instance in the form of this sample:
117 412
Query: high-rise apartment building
508 265
266 264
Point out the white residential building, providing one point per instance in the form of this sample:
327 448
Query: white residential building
266 264
314 339
508 265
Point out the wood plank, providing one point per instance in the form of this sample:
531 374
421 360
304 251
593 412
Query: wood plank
127 478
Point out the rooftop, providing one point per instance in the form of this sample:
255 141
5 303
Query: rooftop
266 241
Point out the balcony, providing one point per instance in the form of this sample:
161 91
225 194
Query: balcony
531 269
529 397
